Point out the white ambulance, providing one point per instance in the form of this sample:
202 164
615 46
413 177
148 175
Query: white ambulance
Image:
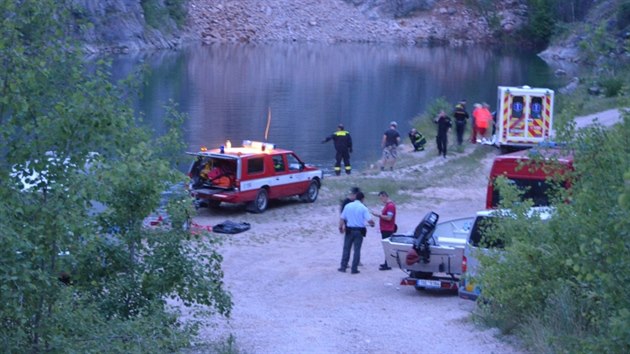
524 117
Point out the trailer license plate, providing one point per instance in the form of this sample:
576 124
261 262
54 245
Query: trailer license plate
428 283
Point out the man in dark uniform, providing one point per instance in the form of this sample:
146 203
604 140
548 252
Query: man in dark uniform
343 146
460 115
444 124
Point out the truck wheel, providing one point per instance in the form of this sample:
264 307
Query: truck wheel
259 204
311 193
199 203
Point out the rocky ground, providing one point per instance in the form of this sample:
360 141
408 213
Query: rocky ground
448 21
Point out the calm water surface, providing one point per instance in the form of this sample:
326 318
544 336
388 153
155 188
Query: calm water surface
228 90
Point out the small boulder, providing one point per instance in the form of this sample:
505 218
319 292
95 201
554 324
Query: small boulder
594 90
560 72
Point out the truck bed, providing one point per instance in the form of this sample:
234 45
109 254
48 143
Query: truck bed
447 248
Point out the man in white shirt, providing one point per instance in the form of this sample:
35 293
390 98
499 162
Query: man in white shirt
354 217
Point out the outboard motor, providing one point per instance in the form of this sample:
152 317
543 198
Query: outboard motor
423 234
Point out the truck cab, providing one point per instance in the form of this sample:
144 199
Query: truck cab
530 171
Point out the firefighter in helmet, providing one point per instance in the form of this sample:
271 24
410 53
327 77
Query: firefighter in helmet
417 139
343 146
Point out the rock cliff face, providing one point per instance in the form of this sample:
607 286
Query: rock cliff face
120 26
601 21
409 22
400 8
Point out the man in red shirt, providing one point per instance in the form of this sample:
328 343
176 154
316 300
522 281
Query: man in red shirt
387 221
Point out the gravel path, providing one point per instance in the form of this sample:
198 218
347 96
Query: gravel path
289 297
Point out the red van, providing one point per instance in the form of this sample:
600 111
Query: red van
530 171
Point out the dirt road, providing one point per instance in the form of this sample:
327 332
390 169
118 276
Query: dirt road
290 298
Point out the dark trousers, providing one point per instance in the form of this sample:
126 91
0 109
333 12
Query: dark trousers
442 141
353 239
384 235
459 129
345 155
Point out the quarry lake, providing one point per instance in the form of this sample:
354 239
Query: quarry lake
227 91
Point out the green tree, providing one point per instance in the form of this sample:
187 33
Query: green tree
541 22
562 283
78 271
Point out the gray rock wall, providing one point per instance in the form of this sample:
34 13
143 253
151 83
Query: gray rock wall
118 26
395 8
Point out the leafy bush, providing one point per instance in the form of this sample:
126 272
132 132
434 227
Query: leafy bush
541 23
76 278
158 13
612 86
425 119
562 283
623 15
177 10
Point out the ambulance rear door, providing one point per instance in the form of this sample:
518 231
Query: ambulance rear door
526 115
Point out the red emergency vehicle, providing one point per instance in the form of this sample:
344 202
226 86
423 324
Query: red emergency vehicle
253 173
531 171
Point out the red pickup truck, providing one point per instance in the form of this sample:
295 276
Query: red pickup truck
530 170
253 173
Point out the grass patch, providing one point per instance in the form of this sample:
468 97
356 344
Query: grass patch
414 173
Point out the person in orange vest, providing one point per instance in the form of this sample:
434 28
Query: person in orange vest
475 115
484 119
